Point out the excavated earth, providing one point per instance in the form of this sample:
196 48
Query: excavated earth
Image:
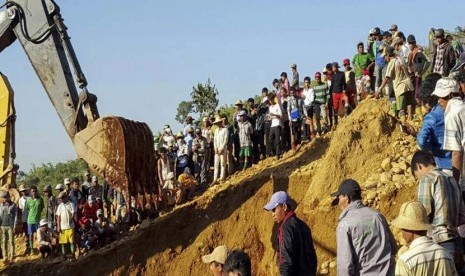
367 146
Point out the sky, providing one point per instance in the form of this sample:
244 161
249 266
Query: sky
141 58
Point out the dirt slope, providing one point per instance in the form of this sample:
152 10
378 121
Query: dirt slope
232 213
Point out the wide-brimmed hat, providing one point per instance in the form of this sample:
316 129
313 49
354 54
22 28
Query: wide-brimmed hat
180 135
22 188
412 216
219 255
62 194
59 187
239 102
218 120
43 222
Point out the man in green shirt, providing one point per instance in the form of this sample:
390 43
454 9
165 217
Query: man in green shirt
361 61
34 205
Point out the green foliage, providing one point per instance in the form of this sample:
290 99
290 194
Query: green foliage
184 108
204 98
54 174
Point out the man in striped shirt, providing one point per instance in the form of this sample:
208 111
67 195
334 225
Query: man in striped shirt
424 256
441 196
320 103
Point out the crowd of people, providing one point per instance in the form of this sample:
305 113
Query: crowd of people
73 218
433 225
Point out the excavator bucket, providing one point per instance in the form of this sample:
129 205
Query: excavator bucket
122 152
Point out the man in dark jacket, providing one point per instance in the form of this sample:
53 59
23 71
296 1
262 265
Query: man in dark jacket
296 254
444 58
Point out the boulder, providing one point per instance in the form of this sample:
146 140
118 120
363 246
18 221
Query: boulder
398 178
332 264
385 177
386 164
371 195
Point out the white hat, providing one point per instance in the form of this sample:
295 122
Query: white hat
94 178
99 212
43 222
170 175
59 187
218 255
445 86
67 181
91 199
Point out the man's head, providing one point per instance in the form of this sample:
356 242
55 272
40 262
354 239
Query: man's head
67 183
388 53
412 220
360 47
22 190
348 191
439 36
48 190
396 43
318 76
198 132
376 33
218 121
188 119
335 67
91 199
460 78
34 192
75 183
412 42
307 81
238 264
43 224
264 92
393 29
59 188
239 104
293 67
271 97
292 91
283 92
283 76
242 115
86 175
63 196
216 260
279 205
427 86
422 163
99 213
190 131
346 63
250 102
275 83
446 88
387 36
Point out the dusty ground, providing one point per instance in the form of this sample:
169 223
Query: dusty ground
367 146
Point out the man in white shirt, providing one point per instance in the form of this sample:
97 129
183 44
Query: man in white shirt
447 90
220 146
308 96
276 126
65 223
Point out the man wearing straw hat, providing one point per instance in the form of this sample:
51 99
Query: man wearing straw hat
424 256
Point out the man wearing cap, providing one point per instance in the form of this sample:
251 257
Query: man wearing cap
338 91
44 239
24 213
34 205
86 184
424 256
295 76
216 260
201 156
441 196
104 228
393 29
365 245
402 50
245 139
417 63
296 254
220 147
66 215
67 182
447 91
350 82
397 72
51 205
444 57
8 216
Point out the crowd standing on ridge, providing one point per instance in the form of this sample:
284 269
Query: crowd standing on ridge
433 226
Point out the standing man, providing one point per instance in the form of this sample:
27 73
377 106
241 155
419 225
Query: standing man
308 95
380 62
441 196
424 256
296 254
34 205
284 82
417 63
362 63
275 113
295 76
96 189
216 260
75 195
444 58
220 146
24 214
8 216
321 103
350 83
86 184
66 213
447 90
365 245
236 150
295 112
51 205
245 139
201 157
338 91
188 124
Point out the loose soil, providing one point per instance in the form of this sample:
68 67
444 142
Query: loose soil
232 213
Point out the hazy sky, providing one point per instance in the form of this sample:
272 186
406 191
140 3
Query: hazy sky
142 57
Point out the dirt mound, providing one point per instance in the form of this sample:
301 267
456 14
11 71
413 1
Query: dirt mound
232 213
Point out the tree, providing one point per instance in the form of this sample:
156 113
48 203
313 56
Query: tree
204 98
184 108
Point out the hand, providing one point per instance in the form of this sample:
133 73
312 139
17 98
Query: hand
290 123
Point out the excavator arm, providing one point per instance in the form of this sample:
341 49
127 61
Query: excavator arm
119 150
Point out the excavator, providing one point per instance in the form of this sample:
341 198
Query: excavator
119 150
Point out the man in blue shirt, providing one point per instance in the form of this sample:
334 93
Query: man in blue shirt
431 135
380 62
